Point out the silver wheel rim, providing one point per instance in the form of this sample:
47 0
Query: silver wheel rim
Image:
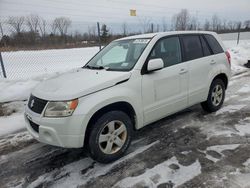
112 137
217 95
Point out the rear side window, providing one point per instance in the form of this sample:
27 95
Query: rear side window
214 45
192 47
206 50
169 50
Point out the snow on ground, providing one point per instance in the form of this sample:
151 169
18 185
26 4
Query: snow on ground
16 90
30 64
243 128
234 36
240 54
230 109
245 89
221 148
161 174
16 139
74 169
247 162
10 124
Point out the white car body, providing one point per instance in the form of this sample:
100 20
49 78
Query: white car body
184 85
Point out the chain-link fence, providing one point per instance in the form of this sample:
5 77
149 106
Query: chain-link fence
31 46
31 51
33 63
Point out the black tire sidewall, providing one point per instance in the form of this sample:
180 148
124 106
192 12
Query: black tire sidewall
94 149
209 102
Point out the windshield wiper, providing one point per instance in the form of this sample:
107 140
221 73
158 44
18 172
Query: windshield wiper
96 67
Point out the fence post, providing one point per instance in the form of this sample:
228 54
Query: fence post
238 37
99 36
2 65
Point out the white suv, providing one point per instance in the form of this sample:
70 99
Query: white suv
132 82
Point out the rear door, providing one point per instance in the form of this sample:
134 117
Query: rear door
198 57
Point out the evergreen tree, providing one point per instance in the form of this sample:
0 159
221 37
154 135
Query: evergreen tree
104 33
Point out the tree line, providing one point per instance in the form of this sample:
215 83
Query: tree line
34 31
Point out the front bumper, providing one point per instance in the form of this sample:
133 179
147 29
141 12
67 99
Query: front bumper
65 132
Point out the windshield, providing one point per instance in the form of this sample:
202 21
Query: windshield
119 55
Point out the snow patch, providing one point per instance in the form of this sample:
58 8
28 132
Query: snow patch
15 139
164 174
247 163
220 148
230 109
241 180
186 152
211 158
3 159
71 173
243 129
244 89
10 124
16 90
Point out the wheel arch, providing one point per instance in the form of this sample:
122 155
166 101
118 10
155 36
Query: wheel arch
223 77
117 106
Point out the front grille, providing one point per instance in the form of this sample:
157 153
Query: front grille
36 105
34 126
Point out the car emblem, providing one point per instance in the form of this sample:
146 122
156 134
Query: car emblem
32 103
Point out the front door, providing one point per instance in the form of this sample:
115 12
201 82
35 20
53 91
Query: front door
165 91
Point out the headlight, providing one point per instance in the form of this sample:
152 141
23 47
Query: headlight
60 109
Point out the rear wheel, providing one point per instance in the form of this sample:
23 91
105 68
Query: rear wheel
110 136
215 97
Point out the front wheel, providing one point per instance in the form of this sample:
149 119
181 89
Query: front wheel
215 97
110 136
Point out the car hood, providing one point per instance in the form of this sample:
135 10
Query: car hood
77 84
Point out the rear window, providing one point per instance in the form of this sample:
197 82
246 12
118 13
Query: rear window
214 45
192 47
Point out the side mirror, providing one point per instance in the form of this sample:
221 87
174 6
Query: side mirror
155 64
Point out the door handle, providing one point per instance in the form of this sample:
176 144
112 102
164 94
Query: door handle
212 62
183 71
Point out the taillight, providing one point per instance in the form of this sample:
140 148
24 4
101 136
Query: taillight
228 57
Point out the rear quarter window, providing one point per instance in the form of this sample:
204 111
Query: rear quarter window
214 44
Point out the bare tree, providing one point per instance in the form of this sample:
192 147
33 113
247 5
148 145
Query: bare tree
230 25
62 24
164 25
216 23
92 32
146 24
207 25
247 24
124 28
53 26
193 24
32 21
181 20
1 30
16 23
237 25
224 24
42 27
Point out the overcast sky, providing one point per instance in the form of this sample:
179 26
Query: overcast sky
83 13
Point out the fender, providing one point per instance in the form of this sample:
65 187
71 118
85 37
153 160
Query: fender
90 104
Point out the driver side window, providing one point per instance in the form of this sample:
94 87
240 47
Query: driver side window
168 50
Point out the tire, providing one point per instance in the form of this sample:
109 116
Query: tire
104 135
212 104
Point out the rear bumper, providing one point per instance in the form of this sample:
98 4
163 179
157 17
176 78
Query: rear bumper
67 132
